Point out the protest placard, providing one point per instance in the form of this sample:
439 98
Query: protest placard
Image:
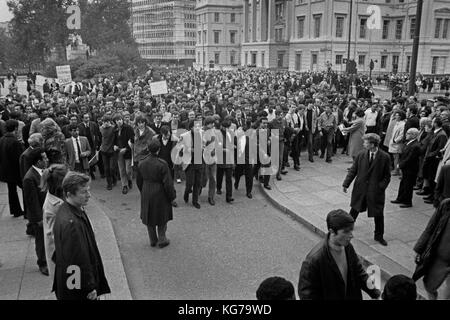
158 88
22 87
40 80
64 74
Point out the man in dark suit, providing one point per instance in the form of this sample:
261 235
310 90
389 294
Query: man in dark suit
73 120
409 164
412 121
244 161
371 169
226 161
157 124
10 151
34 200
75 245
91 131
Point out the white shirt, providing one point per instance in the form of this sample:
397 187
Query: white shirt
40 171
371 118
75 147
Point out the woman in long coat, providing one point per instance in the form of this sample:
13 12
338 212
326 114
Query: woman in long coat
356 131
157 195
396 143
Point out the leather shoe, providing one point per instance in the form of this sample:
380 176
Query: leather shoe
381 241
109 187
311 160
249 195
428 198
236 186
16 215
153 244
230 200
211 202
44 270
423 193
329 160
396 202
268 187
125 190
284 171
279 177
296 168
197 205
219 191
130 184
429 201
164 244
405 206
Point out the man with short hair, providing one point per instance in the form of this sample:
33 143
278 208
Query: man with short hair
332 269
372 174
327 126
77 151
275 288
400 288
91 131
75 245
124 139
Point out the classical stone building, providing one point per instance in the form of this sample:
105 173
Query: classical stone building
219 32
165 30
306 34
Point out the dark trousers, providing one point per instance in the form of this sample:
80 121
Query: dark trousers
100 166
247 170
327 142
157 236
108 164
310 143
13 199
193 181
286 150
39 244
379 223
295 150
371 129
265 178
405 191
228 180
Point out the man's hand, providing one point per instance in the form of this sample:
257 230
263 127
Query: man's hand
92 295
344 189
116 148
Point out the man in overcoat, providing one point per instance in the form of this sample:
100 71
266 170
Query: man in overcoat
158 194
409 164
371 169
332 269
76 252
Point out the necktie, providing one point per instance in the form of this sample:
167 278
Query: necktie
371 158
79 150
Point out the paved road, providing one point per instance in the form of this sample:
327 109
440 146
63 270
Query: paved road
221 252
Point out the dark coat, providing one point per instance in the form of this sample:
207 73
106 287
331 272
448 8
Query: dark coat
24 162
371 182
10 151
32 196
157 191
431 162
95 137
75 245
320 278
409 159
429 240
442 190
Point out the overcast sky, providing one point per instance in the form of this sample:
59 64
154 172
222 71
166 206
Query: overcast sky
5 15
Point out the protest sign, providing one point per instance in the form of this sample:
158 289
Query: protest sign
64 74
158 88
22 87
40 80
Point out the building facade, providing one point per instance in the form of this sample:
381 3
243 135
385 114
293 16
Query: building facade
304 35
219 32
165 30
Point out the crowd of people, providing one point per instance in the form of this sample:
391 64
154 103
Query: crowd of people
131 135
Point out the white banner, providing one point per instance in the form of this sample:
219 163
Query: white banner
40 81
22 87
4 92
158 88
64 74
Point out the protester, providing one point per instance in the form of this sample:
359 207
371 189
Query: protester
275 288
399 288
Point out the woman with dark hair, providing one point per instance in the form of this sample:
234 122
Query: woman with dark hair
51 182
356 132
143 134
384 123
396 142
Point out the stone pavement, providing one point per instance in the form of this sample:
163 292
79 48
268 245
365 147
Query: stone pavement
20 278
308 196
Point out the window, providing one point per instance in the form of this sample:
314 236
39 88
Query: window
263 59
412 29
280 59
437 30
232 37
204 58
301 26
298 61
254 58
216 36
233 18
362 28
198 57
317 21
361 59
385 29
216 58
434 64
232 58
339 27
338 59
199 37
205 36
279 34
216 17
279 11
445 31
314 58
398 29
395 60
383 62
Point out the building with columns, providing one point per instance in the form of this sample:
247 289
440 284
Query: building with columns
306 34
165 30
219 32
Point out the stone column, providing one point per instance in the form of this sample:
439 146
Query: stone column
246 12
263 19
254 25
271 20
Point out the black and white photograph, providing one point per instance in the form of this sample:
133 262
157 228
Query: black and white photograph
235 152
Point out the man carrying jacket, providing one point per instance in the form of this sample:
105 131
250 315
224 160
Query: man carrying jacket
332 270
